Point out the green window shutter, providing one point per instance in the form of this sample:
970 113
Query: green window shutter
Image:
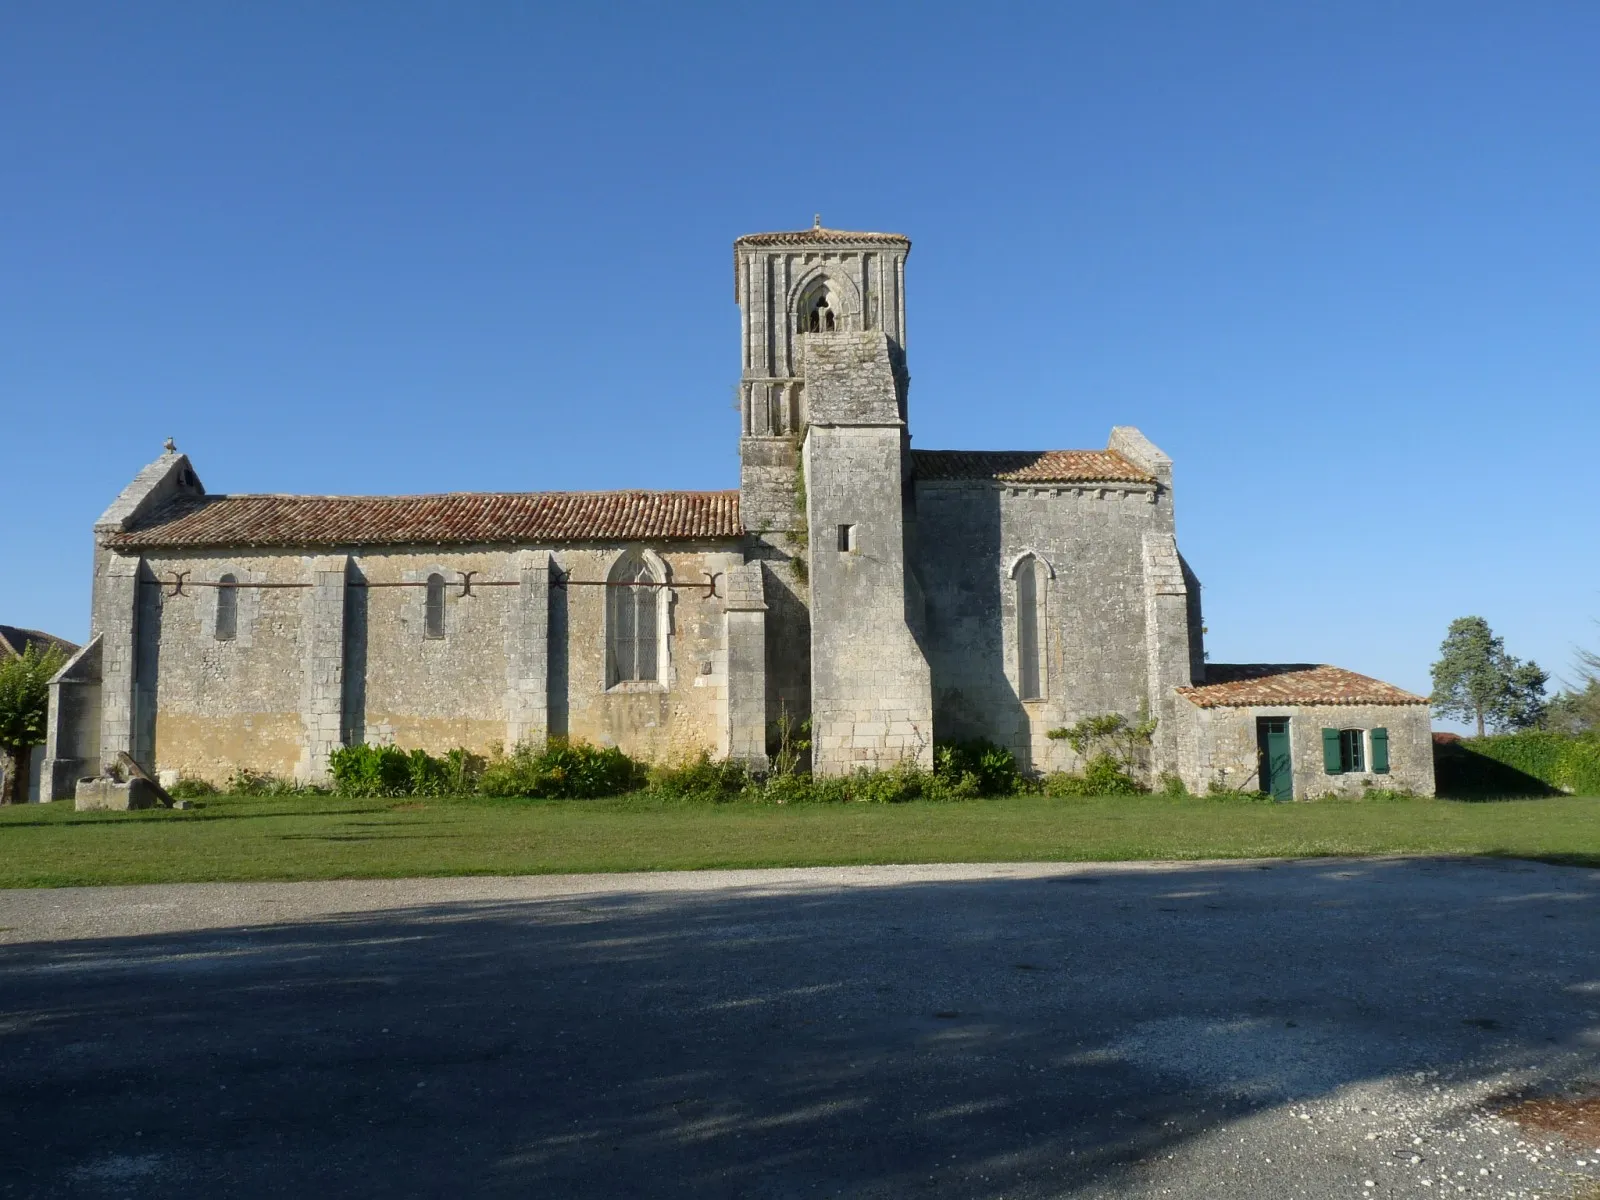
1380 751
1330 752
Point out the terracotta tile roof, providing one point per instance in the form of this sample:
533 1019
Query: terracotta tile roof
1246 685
817 236
1029 466
454 518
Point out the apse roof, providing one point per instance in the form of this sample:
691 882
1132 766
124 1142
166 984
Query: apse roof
1028 466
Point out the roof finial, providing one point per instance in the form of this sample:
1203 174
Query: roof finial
170 446
816 221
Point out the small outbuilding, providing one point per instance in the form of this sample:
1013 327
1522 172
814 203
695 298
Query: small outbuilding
1300 730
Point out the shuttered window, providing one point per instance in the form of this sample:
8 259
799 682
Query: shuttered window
433 608
1344 751
1351 757
227 609
1380 751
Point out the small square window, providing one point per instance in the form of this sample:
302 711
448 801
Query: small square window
1351 756
847 539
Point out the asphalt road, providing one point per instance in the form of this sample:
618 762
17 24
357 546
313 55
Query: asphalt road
1321 1029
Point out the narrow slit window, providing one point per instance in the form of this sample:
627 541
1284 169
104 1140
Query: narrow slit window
847 539
1030 673
433 608
227 608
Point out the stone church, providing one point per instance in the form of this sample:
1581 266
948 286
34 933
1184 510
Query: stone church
890 594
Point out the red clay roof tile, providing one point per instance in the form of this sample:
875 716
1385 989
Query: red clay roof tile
1248 685
454 518
1028 466
817 236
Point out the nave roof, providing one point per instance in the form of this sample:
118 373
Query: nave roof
451 518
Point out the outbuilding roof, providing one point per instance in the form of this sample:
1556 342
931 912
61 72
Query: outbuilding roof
1250 685
452 518
1028 466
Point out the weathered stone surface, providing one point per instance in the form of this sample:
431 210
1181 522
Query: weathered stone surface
1096 616
1219 745
109 795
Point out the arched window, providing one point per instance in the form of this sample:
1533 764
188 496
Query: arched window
433 608
227 608
817 314
633 622
1028 586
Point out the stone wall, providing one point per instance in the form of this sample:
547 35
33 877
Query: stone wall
871 700
333 651
71 748
1219 745
1091 541
871 703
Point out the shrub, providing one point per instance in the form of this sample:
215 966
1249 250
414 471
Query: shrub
191 789
248 782
1383 794
788 743
1560 760
1103 775
896 785
1111 736
426 775
363 770
701 778
561 769
968 786
1534 762
893 785
1173 787
992 768
1218 790
786 789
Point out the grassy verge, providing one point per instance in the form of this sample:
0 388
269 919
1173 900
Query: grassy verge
326 837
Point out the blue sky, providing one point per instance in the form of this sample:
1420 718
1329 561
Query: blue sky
1340 261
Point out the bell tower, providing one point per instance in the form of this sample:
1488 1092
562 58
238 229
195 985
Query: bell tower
822 396
788 285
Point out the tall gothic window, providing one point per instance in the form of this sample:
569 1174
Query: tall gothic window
1029 588
633 622
433 608
227 608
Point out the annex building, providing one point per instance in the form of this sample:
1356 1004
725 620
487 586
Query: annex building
891 594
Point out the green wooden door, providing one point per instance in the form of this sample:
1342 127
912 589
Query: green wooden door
1277 768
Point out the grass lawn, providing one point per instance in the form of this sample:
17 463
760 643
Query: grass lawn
326 837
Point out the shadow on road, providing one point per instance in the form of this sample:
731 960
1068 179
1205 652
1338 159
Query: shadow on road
1028 1036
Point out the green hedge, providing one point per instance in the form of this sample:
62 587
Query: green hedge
1519 763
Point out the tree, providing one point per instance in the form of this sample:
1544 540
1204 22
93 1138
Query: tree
1576 708
1475 679
24 708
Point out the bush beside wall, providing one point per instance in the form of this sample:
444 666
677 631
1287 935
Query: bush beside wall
1536 762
